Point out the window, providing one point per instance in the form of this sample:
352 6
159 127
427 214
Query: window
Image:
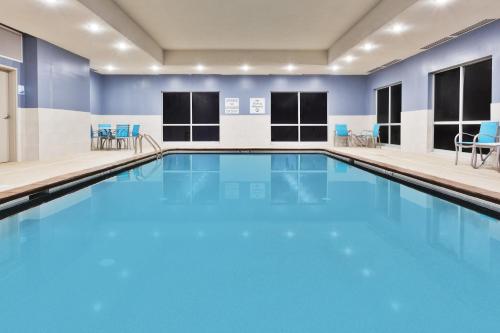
389 113
462 98
299 116
191 116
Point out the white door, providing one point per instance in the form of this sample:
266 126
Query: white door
4 117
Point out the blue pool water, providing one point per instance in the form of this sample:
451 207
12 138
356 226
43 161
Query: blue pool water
249 243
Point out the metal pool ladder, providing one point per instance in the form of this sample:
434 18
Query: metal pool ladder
151 141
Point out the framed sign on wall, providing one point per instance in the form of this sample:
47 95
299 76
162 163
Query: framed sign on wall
257 105
232 105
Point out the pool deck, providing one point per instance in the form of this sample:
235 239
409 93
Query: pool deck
18 178
436 168
25 178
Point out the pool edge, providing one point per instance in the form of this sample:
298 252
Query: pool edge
35 194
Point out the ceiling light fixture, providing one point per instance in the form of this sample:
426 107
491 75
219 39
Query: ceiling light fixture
439 3
335 68
155 68
51 3
397 28
290 67
245 68
367 47
110 68
349 58
93 27
122 46
200 68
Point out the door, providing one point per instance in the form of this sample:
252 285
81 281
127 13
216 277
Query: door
4 117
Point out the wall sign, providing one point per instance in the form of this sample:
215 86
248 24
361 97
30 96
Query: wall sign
232 105
257 105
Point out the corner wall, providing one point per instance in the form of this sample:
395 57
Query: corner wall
54 118
415 73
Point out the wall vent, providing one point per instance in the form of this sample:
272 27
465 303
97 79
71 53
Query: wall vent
436 43
375 69
390 63
473 27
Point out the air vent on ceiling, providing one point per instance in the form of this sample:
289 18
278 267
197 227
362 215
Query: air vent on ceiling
472 27
375 69
436 43
390 63
395 61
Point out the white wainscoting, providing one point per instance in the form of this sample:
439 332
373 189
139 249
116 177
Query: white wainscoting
417 131
62 132
27 134
236 131
495 111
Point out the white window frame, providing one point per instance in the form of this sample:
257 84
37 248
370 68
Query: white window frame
299 124
389 124
460 121
191 125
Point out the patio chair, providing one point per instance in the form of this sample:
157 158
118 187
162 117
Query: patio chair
343 133
373 136
486 139
135 135
104 135
122 136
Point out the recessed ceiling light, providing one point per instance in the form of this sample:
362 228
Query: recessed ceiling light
51 3
93 27
334 68
290 67
397 28
122 46
110 68
349 58
367 47
155 68
200 68
440 3
245 68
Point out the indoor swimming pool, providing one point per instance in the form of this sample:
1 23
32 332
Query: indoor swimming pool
249 243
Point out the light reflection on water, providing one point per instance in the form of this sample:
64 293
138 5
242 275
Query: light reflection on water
249 243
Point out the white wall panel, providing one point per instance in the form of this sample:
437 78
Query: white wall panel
62 132
416 131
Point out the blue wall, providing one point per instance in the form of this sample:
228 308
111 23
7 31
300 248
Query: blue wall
415 72
96 92
141 94
53 78
63 79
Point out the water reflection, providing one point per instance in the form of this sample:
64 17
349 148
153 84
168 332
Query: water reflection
203 232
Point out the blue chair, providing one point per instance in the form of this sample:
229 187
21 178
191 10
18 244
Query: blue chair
486 139
104 134
122 135
341 132
373 136
136 134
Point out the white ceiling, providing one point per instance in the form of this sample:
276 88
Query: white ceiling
246 24
224 34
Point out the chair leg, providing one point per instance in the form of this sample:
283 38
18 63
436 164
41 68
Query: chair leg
456 155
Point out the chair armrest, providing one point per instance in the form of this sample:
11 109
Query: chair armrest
476 137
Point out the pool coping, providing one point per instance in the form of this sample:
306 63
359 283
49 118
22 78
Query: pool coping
476 196
26 192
